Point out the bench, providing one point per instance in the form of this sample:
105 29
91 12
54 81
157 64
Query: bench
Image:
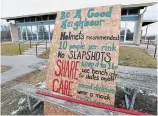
126 80
30 91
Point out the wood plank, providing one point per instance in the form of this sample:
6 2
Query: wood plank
30 90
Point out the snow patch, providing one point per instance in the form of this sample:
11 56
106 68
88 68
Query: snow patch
21 101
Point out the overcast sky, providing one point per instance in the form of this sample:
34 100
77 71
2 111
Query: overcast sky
11 8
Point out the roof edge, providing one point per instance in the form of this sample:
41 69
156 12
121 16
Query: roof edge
122 6
139 5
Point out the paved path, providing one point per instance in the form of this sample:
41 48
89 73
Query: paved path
138 78
19 66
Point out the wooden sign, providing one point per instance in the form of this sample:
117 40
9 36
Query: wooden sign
84 54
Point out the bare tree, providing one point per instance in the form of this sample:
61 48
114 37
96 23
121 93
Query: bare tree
5 33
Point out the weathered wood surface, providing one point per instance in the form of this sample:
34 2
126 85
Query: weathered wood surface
90 67
30 90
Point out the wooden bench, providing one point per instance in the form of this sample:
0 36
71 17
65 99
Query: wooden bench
125 80
30 91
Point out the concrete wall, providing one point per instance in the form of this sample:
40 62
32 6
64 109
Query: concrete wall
138 30
14 32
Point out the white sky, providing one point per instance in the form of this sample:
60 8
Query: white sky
11 8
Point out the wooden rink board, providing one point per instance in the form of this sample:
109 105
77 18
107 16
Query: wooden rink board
110 26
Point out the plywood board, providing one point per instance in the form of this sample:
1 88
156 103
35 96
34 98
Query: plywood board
83 58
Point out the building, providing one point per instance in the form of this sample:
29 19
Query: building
40 26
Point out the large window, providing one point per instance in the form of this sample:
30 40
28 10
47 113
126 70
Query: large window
46 32
34 33
37 32
130 31
51 31
133 11
127 31
29 33
40 32
23 31
122 31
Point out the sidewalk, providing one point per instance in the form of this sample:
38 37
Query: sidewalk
19 66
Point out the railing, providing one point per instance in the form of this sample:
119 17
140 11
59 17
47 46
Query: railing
40 42
23 42
152 44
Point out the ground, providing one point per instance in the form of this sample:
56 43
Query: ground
128 56
4 68
45 55
13 102
10 49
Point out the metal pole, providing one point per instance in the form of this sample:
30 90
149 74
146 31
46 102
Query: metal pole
146 33
148 43
19 49
155 52
46 43
133 99
30 43
36 49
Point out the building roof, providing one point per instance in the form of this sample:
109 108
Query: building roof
140 6
148 22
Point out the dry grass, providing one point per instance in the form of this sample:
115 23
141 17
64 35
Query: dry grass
4 68
137 57
11 49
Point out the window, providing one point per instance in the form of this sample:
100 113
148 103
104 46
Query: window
129 11
23 31
46 32
122 31
38 18
40 32
20 20
34 33
130 31
127 31
132 11
27 19
52 17
45 17
51 31
29 33
32 19
124 12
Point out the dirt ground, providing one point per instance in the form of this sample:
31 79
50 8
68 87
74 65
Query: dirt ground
15 103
